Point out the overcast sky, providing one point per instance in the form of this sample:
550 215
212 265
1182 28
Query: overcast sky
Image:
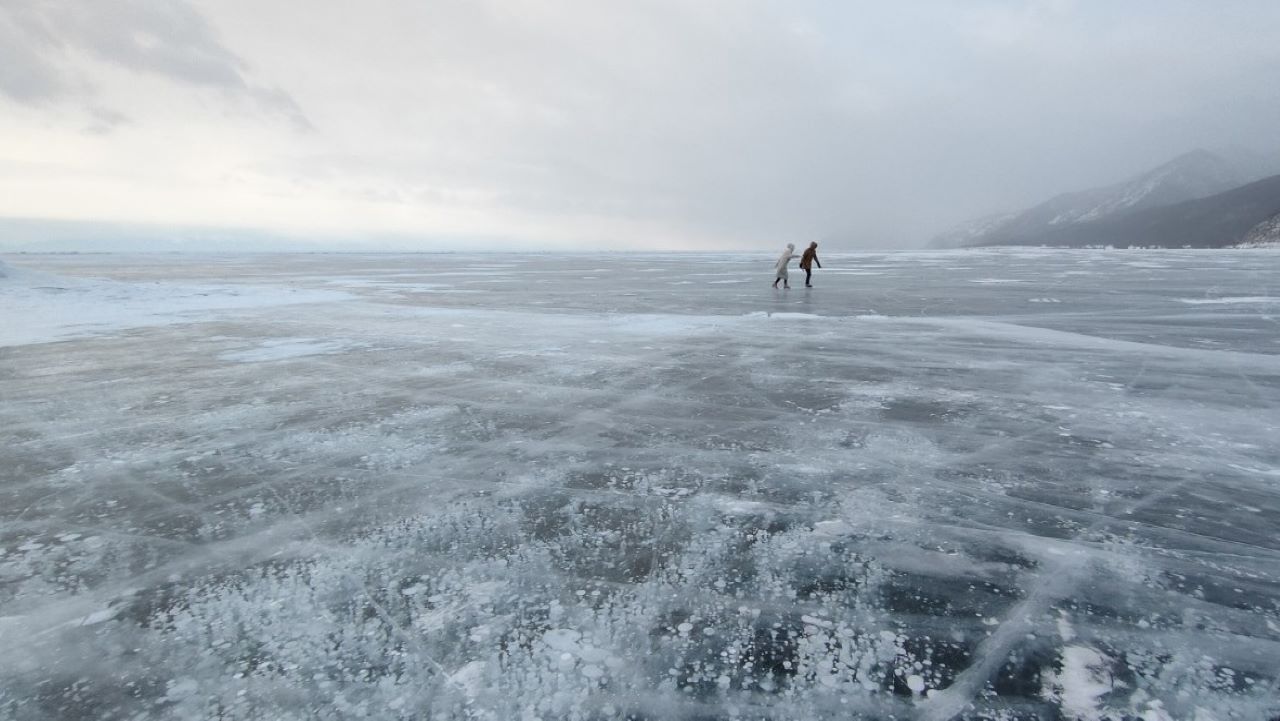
649 124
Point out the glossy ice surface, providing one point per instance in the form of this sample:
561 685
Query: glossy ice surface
984 485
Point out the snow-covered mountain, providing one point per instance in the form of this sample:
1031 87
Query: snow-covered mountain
972 232
1194 175
1263 235
1247 214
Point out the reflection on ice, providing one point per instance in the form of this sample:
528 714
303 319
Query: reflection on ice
907 495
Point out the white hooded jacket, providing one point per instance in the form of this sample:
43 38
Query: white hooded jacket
787 255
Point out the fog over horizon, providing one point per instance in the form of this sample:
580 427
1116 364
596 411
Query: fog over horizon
563 125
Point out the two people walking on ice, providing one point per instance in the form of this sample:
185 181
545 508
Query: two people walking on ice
807 261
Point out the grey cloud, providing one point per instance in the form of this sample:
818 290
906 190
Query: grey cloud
885 139
874 123
26 75
696 115
167 38
105 120
278 101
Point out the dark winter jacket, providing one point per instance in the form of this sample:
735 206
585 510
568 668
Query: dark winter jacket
809 257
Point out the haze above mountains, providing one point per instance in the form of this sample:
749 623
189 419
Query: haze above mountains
1201 199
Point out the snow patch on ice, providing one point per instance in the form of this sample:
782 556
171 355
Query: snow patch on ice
1080 684
1274 472
97 617
1242 299
40 308
832 528
782 316
277 349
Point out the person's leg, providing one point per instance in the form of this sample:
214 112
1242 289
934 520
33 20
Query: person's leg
808 273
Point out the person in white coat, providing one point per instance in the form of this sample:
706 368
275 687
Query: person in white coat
787 255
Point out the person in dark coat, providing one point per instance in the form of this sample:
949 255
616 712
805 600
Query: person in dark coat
807 260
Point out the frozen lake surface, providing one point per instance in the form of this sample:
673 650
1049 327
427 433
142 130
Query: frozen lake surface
982 485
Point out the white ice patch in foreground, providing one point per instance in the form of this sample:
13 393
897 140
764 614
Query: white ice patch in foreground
38 308
284 349
832 528
97 617
786 315
1080 685
1275 472
1243 299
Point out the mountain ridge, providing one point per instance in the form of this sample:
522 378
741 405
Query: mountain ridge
1247 214
1193 175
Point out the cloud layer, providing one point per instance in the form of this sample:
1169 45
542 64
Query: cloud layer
653 124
